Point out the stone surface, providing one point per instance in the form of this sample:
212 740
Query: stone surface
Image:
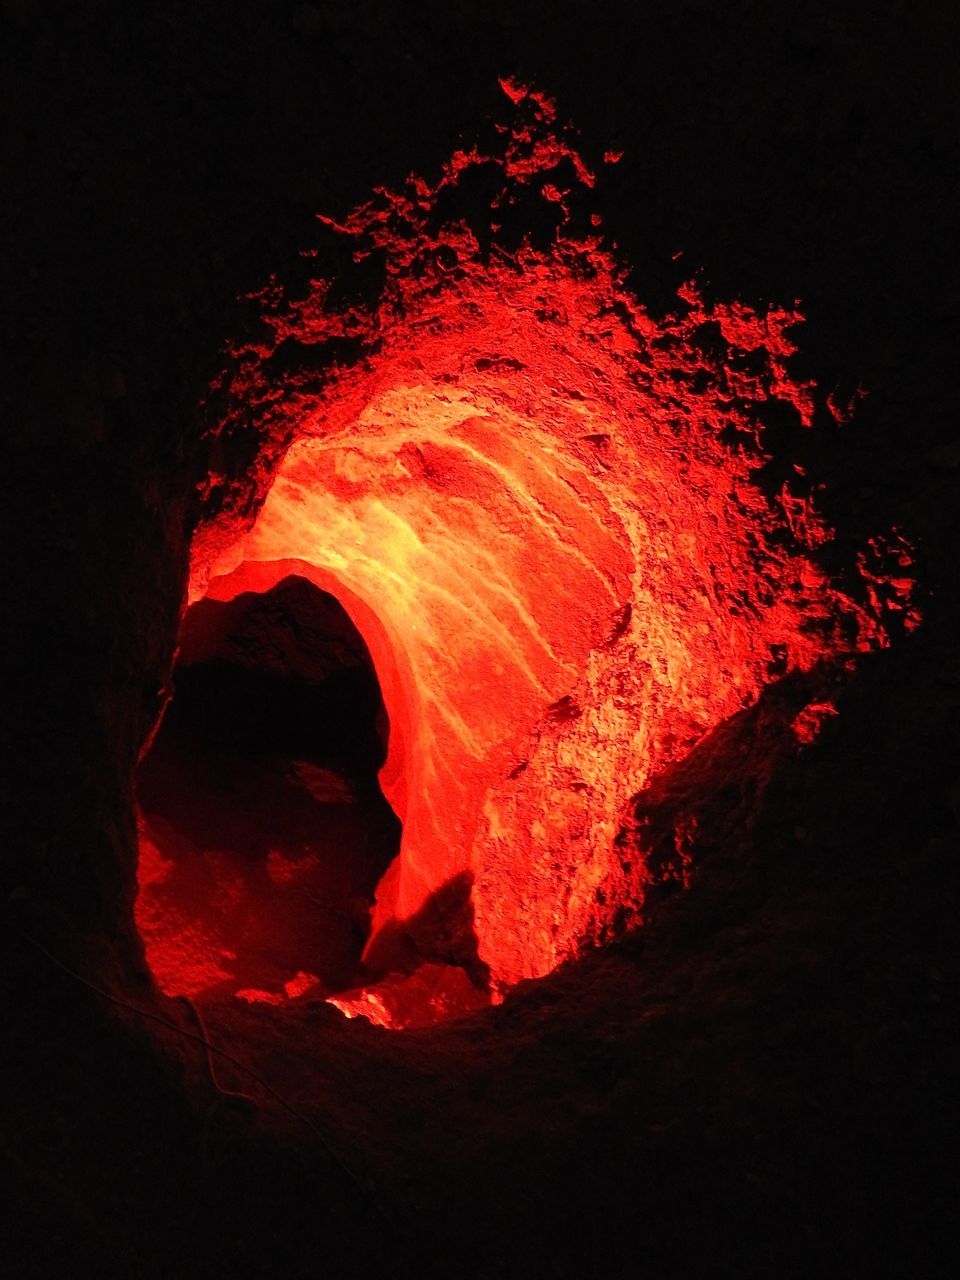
763 1081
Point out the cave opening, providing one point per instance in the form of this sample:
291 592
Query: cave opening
263 827
563 572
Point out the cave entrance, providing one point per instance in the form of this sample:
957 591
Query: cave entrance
263 827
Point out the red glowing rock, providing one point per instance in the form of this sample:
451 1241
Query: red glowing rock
524 496
432 994
811 720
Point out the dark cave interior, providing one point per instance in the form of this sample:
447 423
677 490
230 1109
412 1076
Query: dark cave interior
760 1080
260 787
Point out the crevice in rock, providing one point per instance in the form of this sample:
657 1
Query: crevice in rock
263 830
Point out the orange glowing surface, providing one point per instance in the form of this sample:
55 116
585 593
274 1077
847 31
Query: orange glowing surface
564 575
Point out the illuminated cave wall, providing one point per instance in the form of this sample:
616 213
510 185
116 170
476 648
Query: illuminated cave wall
540 507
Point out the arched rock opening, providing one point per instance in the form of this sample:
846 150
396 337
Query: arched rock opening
544 511
263 829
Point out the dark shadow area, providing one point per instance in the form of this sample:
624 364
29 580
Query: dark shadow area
712 796
441 932
260 796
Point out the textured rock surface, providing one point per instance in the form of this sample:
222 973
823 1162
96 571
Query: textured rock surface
543 509
763 1081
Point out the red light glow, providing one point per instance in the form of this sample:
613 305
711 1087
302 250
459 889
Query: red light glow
523 492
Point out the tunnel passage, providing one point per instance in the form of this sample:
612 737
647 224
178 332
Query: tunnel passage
546 512
263 827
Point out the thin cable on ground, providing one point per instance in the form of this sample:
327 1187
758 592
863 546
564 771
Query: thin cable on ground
212 1049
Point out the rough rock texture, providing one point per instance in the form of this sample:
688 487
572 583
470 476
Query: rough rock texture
759 1082
262 830
549 513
